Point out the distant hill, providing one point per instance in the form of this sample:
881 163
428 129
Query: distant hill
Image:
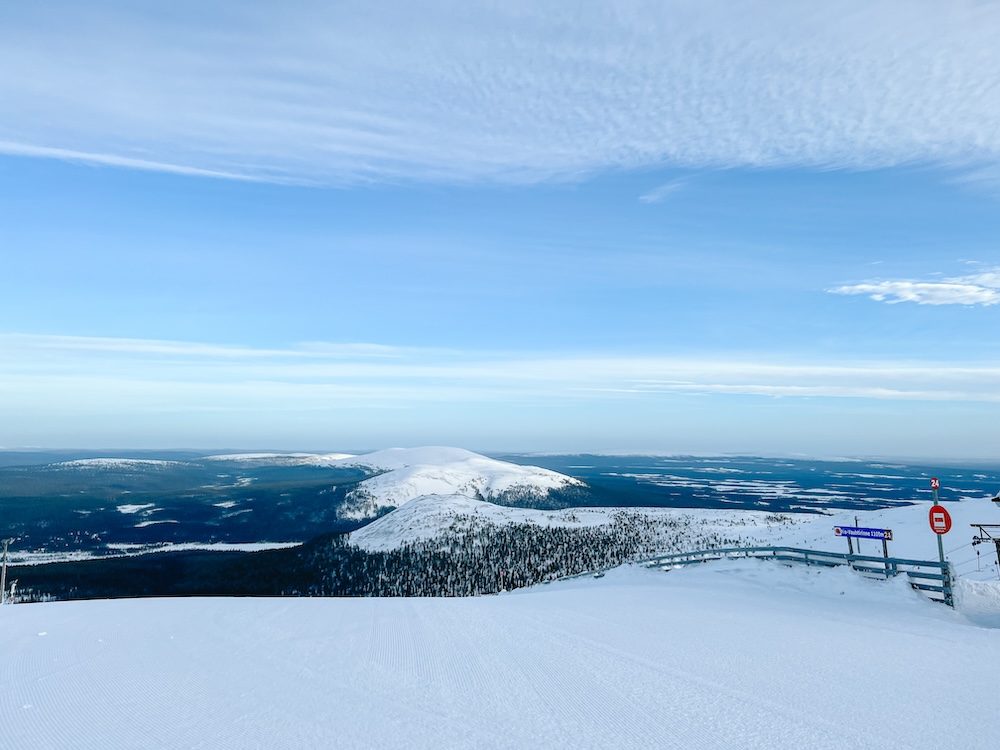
405 474
77 507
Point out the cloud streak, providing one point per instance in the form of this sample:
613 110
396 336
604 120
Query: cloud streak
112 160
100 373
61 391
982 289
26 343
513 91
661 193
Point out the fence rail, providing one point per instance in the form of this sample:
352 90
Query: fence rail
932 577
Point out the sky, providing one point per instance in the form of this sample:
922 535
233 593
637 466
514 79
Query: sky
671 226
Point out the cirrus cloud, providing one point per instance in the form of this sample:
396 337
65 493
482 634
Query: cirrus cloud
332 93
100 392
95 370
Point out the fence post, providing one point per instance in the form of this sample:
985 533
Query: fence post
949 594
3 576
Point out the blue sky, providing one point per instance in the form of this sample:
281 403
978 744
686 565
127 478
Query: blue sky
670 226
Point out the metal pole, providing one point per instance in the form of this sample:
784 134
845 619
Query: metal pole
3 575
949 599
940 543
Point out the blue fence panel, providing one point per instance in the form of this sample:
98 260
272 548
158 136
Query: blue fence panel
922 574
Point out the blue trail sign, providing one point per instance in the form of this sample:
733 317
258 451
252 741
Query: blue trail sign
863 533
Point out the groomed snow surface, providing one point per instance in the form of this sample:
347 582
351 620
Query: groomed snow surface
742 654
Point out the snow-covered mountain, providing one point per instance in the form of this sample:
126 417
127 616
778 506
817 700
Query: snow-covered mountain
130 464
281 459
409 473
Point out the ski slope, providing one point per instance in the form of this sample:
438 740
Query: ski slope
744 654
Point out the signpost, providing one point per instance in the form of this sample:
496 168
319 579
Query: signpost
939 517
862 533
859 532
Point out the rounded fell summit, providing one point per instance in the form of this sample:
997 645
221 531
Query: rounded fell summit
408 473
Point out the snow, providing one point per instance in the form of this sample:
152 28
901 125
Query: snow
131 509
912 537
409 473
428 516
43 558
117 463
204 546
124 549
979 601
736 654
769 490
728 654
288 459
400 458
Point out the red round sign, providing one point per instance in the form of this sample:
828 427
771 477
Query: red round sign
935 484
940 519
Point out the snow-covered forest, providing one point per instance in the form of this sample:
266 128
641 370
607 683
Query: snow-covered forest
482 557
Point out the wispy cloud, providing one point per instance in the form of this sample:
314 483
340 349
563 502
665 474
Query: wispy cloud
60 391
113 160
331 93
981 289
664 191
824 391
100 372
26 343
